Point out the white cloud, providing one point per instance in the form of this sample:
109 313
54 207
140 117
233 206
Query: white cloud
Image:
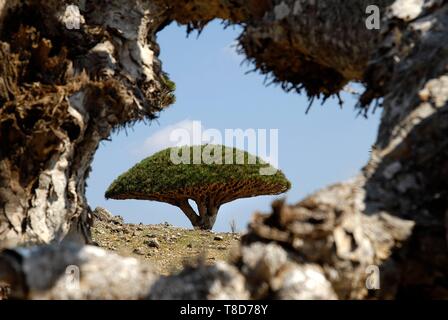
189 132
161 139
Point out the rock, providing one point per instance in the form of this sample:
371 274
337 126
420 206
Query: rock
153 243
102 214
262 262
151 235
220 281
269 272
118 220
218 238
117 229
105 275
302 282
189 245
139 251
222 248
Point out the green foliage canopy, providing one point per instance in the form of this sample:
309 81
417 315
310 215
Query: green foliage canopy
159 178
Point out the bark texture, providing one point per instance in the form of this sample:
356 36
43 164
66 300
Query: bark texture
393 215
62 91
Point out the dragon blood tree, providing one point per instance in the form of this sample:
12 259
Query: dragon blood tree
210 175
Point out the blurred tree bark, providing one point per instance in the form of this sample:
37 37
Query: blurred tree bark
69 78
63 90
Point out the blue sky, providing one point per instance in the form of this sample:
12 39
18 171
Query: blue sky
326 146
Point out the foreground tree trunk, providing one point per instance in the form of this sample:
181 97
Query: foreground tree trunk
62 91
393 216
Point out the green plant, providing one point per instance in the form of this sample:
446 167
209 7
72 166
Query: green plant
167 91
158 178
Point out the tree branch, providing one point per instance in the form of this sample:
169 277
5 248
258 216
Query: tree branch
185 206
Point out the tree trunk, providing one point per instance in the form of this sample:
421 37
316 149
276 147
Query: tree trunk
392 218
62 91
209 216
205 218
393 215
190 213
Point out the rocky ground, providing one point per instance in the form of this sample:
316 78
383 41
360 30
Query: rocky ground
166 247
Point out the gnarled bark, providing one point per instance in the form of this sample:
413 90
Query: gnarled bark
62 91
